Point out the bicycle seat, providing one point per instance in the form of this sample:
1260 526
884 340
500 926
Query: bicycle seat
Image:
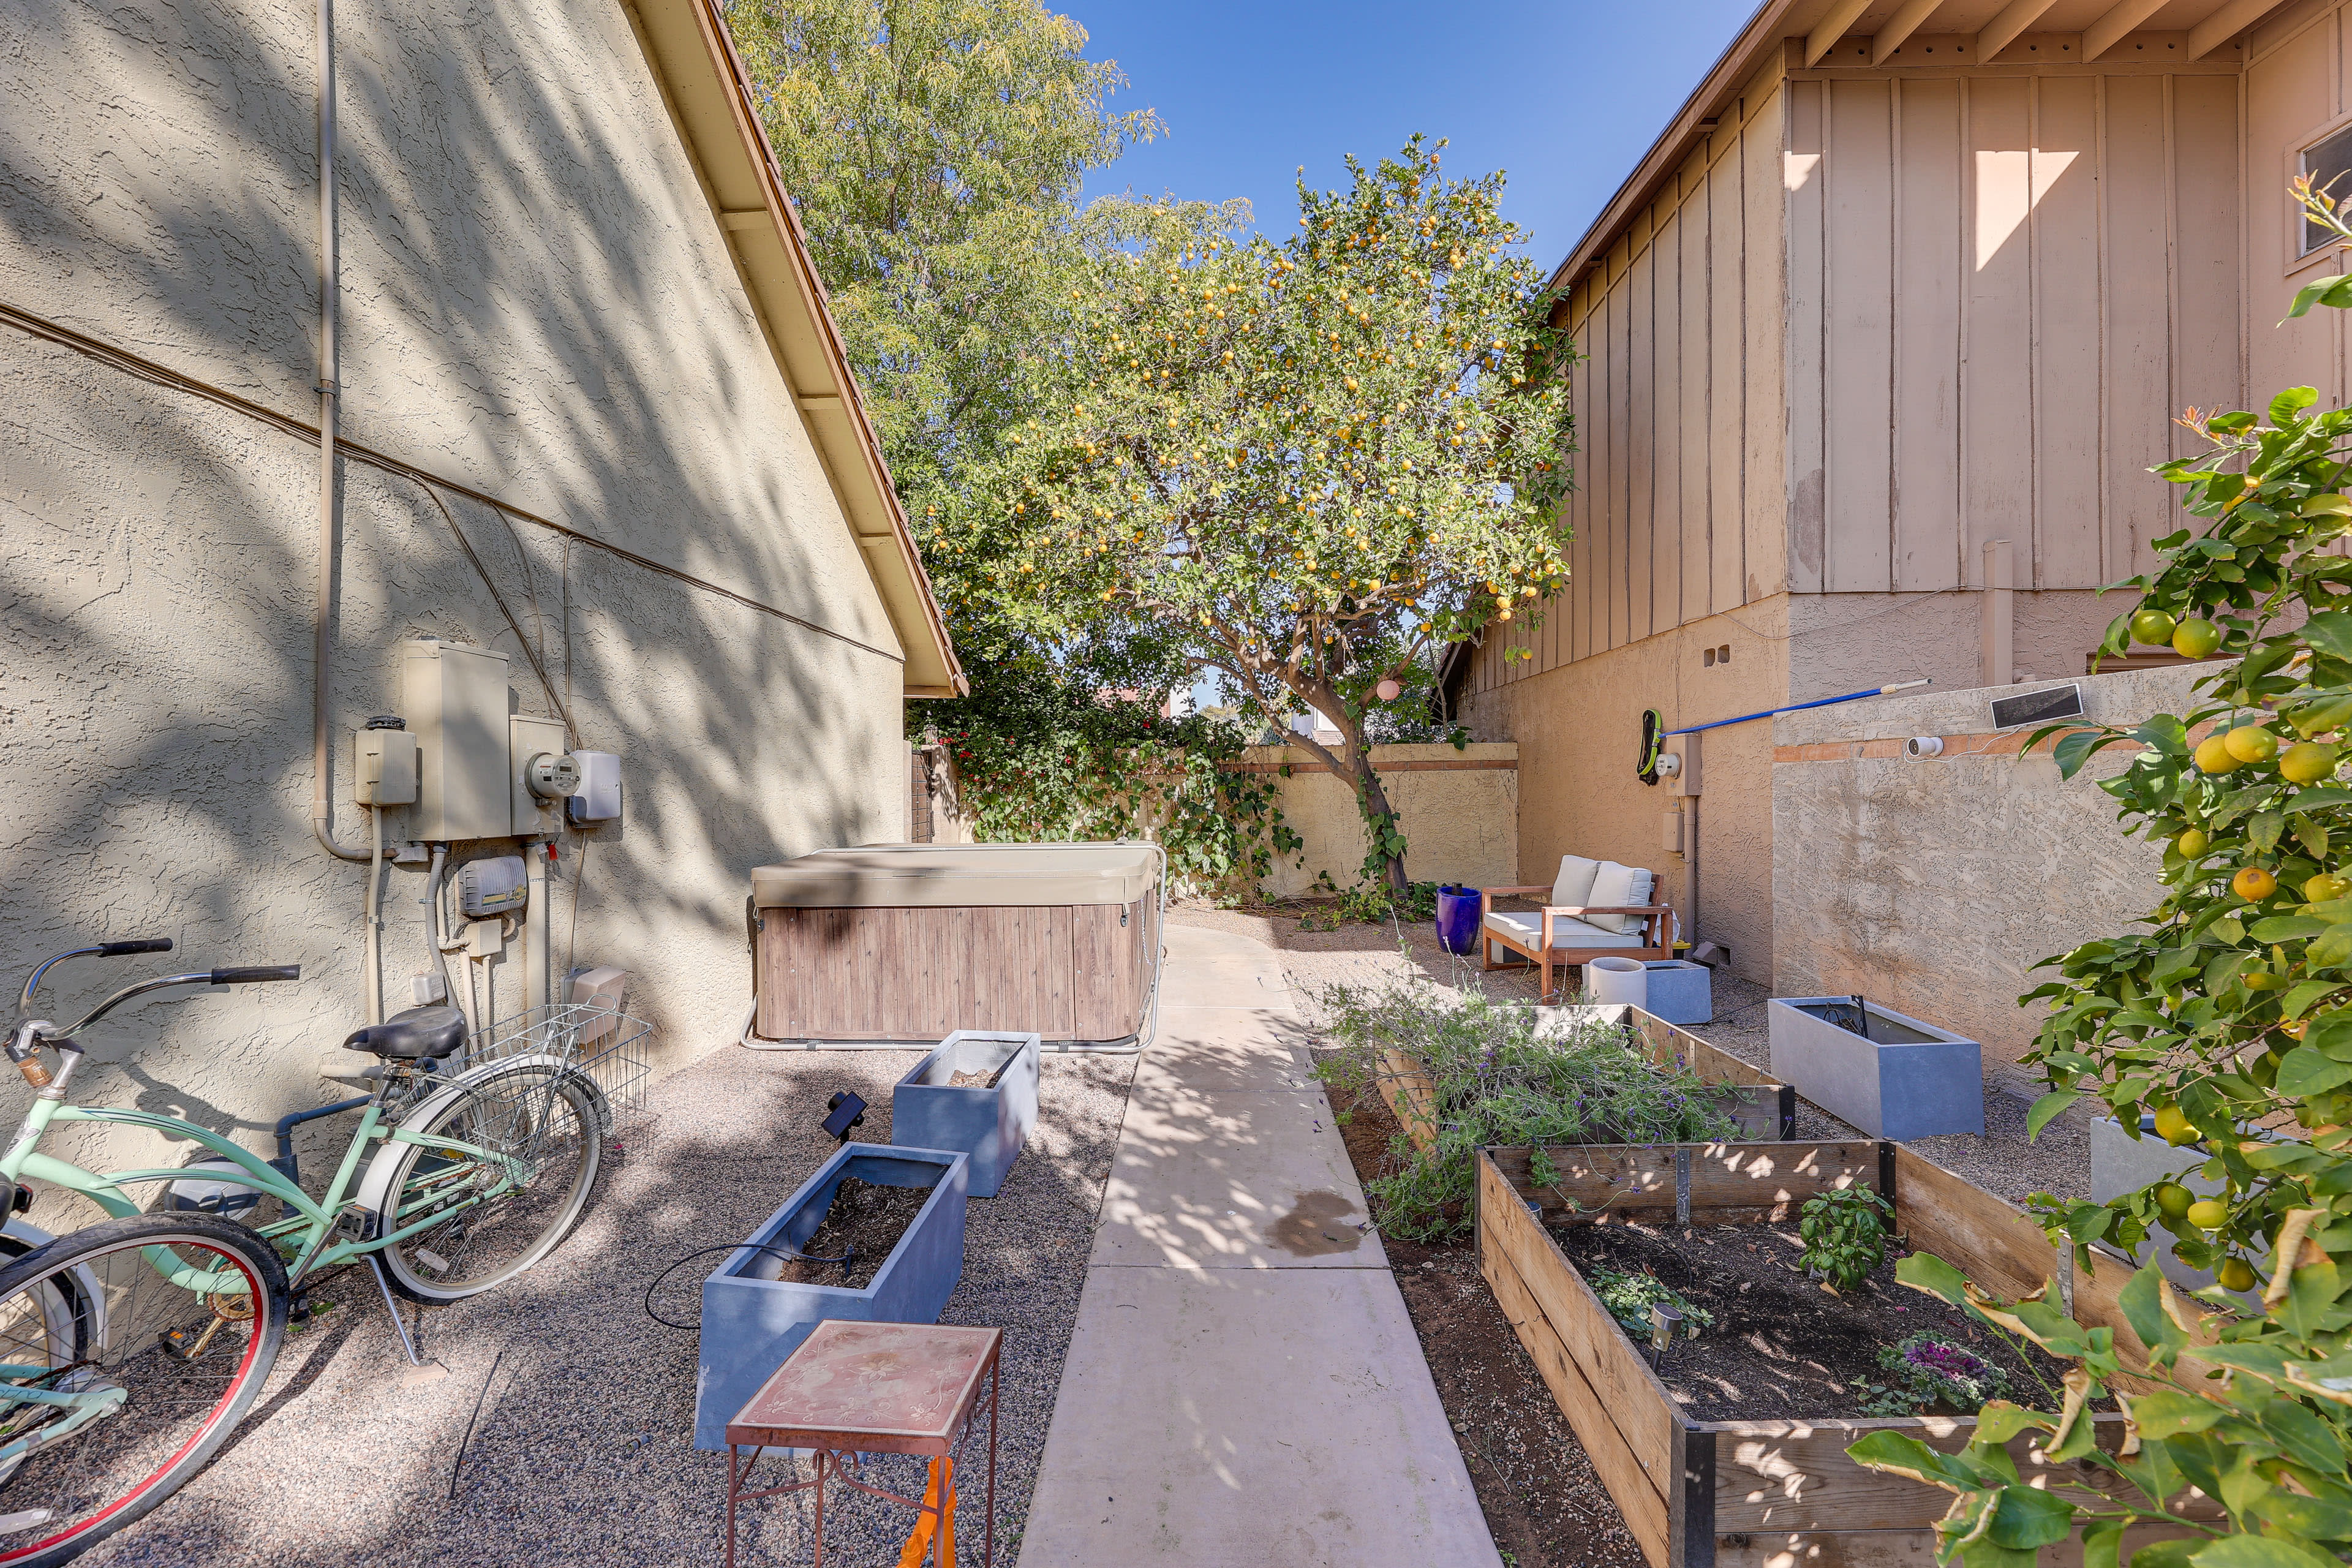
419 1034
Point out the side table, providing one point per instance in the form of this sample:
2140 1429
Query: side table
856 1388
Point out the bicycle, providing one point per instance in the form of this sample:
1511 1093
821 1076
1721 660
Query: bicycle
130 1350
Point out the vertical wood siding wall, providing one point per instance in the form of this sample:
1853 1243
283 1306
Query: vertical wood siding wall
1889 316
1680 499
2296 93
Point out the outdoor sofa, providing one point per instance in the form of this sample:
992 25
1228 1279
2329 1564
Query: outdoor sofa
1597 908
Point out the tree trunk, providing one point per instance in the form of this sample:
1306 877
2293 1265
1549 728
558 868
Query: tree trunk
1380 817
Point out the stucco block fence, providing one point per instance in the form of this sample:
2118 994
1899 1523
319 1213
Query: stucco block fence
1933 886
1459 811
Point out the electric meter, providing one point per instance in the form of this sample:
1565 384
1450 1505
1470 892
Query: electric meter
551 776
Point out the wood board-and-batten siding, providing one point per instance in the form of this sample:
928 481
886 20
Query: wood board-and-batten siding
1886 317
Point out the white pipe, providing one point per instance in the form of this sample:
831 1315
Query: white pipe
322 608
375 917
538 932
432 901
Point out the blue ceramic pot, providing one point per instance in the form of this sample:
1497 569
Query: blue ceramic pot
1457 919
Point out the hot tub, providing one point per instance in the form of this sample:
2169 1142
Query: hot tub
906 944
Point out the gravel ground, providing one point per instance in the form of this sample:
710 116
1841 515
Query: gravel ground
2002 1160
562 1433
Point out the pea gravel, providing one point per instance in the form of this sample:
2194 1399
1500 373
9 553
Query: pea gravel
580 1409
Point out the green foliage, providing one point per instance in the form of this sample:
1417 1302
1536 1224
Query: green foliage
1628 1296
1498 1081
2227 1018
1041 756
1372 903
1314 461
1844 1232
934 151
1930 1373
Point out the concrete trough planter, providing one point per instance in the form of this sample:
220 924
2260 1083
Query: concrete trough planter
989 1120
1906 1079
1681 992
752 1320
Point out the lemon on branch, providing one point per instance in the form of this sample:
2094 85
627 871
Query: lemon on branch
2253 884
2307 763
2214 756
2251 743
2152 627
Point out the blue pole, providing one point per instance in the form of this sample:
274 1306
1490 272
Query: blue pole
1799 707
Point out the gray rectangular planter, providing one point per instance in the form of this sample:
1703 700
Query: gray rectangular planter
1681 992
988 1121
752 1321
1907 1080
2120 1165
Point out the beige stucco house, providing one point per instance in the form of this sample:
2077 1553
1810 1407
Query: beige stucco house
593 418
1898 311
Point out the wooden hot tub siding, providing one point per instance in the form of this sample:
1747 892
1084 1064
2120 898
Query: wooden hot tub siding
1068 972
1754 1494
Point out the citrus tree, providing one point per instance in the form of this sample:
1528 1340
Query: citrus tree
1310 460
2230 1019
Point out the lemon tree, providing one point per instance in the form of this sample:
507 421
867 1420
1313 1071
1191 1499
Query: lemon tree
2230 1019
1313 461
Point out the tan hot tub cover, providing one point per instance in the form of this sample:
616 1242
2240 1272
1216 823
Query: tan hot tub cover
946 876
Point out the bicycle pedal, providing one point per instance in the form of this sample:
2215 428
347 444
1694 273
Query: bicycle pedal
182 1344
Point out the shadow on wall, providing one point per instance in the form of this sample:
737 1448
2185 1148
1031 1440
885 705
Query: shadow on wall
539 303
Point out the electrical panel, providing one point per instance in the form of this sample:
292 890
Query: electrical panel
598 798
540 773
384 767
486 889
456 701
1686 778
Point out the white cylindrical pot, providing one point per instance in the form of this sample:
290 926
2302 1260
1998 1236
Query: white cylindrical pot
1609 981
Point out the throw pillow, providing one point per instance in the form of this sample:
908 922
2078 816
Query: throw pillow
1574 884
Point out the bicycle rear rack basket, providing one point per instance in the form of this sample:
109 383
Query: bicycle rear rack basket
607 1045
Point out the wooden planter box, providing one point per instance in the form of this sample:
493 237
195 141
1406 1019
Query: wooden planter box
1711 1494
1765 1107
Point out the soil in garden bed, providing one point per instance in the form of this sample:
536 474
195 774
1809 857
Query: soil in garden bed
1781 1346
865 1220
1543 1502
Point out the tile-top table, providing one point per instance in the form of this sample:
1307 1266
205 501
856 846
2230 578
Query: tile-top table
855 1388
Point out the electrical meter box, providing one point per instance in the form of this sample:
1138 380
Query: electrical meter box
384 767
540 773
492 887
456 701
598 798
1685 780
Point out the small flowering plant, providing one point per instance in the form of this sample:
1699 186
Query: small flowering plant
1931 1372
1627 1298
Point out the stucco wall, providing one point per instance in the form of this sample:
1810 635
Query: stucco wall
541 304
1459 811
1934 886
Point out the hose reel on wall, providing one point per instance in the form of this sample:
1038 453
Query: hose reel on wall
1653 736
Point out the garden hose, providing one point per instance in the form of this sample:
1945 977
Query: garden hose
1654 734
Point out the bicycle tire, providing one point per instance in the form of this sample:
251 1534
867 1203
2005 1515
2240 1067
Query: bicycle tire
550 1114
178 1408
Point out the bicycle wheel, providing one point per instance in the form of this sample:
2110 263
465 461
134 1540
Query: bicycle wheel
545 1124
181 1316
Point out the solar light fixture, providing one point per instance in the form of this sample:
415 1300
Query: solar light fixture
847 1112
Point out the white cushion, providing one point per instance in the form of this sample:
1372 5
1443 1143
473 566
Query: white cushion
1623 886
1573 886
1567 932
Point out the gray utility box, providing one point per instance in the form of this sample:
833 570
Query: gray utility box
752 1321
988 1120
1906 1079
1681 992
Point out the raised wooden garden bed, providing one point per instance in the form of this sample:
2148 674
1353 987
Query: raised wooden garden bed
1710 1494
1764 1106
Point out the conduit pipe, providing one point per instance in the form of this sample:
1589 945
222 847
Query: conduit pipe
322 608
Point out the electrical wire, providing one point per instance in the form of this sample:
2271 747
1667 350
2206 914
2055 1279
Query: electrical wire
785 1252
538 665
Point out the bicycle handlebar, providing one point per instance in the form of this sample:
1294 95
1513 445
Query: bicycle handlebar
257 973
124 949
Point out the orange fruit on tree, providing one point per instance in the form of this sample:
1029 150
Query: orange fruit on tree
2251 743
2214 756
2253 884
2192 843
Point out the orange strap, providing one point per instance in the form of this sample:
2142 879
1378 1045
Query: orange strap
927 1522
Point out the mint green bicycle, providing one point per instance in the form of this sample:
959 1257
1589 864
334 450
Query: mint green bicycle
130 1350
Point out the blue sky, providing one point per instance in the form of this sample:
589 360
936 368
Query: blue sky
1564 96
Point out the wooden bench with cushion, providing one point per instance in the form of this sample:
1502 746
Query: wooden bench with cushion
1597 908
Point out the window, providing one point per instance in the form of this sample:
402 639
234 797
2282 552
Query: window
2329 165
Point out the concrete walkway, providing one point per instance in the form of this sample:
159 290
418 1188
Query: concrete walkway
1244 1389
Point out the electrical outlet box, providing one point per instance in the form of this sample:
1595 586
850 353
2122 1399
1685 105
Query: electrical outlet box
604 986
1685 779
598 799
1671 838
541 773
487 889
428 988
384 767
456 701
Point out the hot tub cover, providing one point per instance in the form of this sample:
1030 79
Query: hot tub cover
946 876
